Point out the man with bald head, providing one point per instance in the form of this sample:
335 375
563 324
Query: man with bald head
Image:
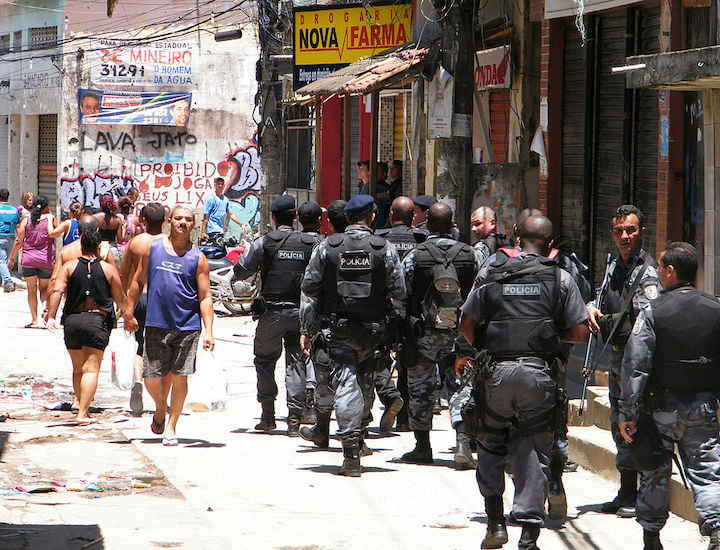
439 274
528 307
483 225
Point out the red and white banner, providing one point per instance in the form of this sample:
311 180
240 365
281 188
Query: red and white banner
492 68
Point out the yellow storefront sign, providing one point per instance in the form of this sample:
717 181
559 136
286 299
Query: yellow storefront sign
339 36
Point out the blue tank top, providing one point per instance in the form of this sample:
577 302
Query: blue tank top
172 289
73 234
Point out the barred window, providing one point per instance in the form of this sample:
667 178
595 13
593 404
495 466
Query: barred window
42 37
17 41
4 44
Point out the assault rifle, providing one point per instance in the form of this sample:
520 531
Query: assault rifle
589 365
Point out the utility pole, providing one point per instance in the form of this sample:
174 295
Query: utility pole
455 154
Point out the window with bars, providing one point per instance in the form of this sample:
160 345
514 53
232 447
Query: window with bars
17 41
42 37
4 44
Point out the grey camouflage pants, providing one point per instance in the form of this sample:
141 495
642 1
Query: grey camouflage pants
693 425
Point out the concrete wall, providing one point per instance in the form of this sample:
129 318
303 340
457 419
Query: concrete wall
170 164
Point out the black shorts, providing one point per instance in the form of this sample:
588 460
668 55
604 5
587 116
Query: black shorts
140 314
36 272
86 329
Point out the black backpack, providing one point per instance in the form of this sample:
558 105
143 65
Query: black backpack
442 301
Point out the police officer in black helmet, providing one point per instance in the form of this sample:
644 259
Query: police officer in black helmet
529 305
281 256
348 286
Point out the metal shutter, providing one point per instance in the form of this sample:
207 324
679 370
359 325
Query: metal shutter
47 158
573 232
644 181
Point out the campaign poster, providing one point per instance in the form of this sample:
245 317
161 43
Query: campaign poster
136 108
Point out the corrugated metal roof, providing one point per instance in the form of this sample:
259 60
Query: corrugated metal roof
370 74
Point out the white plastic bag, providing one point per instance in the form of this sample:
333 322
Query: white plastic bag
207 388
120 353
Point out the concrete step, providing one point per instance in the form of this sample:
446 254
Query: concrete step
596 411
594 449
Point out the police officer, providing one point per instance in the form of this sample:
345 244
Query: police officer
528 305
433 315
633 283
671 369
405 239
483 226
351 279
281 256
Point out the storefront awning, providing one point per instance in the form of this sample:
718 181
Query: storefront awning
370 74
696 69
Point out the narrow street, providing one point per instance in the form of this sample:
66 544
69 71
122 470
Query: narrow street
113 485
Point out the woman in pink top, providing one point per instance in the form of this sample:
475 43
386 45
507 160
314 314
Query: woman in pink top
36 236
130 224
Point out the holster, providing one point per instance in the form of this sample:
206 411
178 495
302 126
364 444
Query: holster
319 354
647 450
258 308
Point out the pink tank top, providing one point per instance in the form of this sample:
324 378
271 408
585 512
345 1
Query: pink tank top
38 249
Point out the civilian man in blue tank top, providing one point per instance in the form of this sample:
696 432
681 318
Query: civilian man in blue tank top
178 296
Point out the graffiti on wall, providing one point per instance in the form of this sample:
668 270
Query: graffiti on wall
184 183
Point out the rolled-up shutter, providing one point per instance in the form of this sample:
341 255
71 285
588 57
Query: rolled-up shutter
47 158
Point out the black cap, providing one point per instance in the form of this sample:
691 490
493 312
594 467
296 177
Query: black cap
283 202
359 203
364 163
424 201
309 210
396 163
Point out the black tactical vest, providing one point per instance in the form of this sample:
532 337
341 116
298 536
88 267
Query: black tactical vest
403 237
286 254
354 280
423 276
521 307
687 345
496 241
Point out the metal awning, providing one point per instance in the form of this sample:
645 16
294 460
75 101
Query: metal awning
370 74
696 69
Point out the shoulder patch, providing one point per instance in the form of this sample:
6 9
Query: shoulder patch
639 324
651 292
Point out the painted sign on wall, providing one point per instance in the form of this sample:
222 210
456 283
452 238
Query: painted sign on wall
137 108
492 68
165 62
327 38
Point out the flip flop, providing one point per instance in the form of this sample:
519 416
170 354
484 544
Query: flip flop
31 325
170 442
157 428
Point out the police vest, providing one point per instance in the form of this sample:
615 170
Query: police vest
354 281
464 263
402 236
286 254
521 303
687 346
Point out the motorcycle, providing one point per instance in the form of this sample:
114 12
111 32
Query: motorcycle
236 295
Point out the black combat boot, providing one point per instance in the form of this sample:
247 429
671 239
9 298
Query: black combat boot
714 540
463 452
319 433
293 424
496 534
351 457
651 540
624 503
528 538
267 418
422 453
387 420
364 449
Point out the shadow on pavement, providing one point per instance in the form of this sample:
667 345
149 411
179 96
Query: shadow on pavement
438 462
332 469
17 537
3 441
182 441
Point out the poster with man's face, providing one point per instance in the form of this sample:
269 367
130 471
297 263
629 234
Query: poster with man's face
137 108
